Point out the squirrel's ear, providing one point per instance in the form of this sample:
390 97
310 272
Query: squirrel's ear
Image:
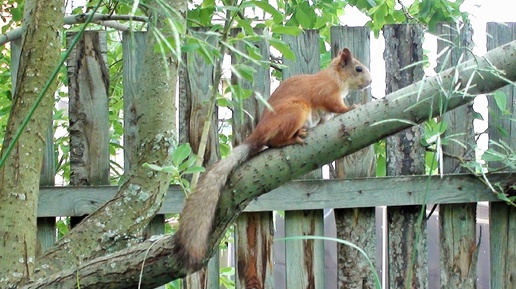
345 57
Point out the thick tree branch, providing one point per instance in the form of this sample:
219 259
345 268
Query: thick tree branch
102 19
337 138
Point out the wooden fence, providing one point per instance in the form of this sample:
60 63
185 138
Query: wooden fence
379 215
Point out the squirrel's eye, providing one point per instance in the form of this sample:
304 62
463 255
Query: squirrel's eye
358 69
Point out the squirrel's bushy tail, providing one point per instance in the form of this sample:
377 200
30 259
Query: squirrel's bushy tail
196 219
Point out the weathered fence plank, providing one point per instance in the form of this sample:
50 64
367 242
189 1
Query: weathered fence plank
457 222
88 86
357 225
304 258
302 195
46 235
133 47
502 218
197 81
405 155
253 231
47 226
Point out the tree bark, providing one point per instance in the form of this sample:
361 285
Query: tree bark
334 139
20 174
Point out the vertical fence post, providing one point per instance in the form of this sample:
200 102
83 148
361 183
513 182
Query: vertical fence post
88 111
133 47
253 231
304 258
502 218
457 222
46 235
47 226
196 82
357 225
405 155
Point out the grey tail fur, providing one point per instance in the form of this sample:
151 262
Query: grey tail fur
196 220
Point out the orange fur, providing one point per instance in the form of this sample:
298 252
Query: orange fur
298 104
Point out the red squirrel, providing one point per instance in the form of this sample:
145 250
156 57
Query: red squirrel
299 103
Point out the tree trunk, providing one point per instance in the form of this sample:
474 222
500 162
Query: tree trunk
20 174
46 226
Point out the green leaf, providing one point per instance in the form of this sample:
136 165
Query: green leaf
381 166
208 3
501 100
153 167
399 16
283 48
502 131
222 102
245 71
246 25
303 18
17 14
188 163
478 116
289 30
194 169
224 149
277 17
253 52
492 156
189 47
379 14
181 153
169 169
394 120
186 184
431 161
205 15
77 10
227 270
